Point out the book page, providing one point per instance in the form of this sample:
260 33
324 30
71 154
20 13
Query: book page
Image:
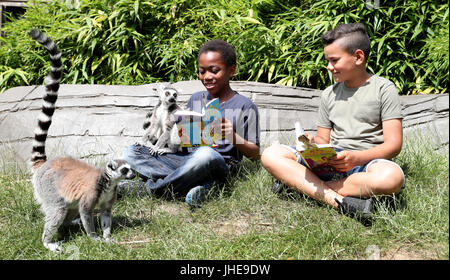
200 129
302 141
212 122
189 132
187 113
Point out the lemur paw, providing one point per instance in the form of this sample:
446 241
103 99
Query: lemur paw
152 151
54 246
95 237
109 240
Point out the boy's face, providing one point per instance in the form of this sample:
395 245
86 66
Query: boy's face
214 73
341 63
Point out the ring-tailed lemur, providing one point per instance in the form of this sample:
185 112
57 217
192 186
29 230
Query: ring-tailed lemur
64 186
161 134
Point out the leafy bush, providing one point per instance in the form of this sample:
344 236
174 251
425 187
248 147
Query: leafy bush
277 41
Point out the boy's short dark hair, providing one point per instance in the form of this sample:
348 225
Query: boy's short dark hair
355 35
225 49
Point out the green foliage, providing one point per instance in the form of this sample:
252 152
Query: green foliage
277 41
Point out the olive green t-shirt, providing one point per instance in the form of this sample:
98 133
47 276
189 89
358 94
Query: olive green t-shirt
355 115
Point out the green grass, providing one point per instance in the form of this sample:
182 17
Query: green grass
246 221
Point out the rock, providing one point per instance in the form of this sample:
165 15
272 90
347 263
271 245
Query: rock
97 122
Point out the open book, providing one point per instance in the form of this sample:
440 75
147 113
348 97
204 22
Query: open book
200 129
314 155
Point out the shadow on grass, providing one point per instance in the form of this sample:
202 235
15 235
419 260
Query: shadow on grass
389 203
240 172
72 231
123 221
237 173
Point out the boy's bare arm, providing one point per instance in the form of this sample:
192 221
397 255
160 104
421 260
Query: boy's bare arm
393 140
392 145
247 148
322 135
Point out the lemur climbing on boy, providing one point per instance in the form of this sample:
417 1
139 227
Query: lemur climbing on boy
161 134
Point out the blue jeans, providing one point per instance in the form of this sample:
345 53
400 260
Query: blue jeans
181 171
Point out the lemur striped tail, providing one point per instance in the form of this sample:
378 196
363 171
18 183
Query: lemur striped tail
49 99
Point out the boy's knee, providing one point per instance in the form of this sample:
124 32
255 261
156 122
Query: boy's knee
210 162
267 156
130 153
207 156
273 153
390 178
135 153
394 182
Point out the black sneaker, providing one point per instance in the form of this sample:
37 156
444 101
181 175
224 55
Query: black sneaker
358 208
277 186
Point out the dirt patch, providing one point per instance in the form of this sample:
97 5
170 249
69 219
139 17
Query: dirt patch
410 253
231 228
241 225
170 208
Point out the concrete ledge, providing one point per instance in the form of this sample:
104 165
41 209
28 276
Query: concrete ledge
98 121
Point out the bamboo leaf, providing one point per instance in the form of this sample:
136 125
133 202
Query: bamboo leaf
250 19
271 71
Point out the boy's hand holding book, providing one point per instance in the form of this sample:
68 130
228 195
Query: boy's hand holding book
344 161
309 138
316 156
227 130
303 140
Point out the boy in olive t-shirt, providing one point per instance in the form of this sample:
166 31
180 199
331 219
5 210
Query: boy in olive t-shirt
355 115
361 117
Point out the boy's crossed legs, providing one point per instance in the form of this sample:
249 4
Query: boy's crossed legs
180 171
381 178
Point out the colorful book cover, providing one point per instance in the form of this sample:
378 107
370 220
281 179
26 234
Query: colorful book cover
200 129
314 155
316 159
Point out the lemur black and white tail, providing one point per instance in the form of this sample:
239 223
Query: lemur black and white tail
49 99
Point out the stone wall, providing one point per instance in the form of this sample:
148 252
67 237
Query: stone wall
97 122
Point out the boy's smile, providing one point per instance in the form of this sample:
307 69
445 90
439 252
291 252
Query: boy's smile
214 73
345 67
340 62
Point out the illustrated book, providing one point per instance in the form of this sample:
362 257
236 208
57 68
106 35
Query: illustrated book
200 129
314 155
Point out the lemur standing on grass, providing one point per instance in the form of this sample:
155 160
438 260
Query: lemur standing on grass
161 134
64 186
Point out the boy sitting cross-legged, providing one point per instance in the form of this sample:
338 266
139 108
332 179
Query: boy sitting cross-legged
360 115
192 173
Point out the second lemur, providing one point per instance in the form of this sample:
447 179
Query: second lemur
161 134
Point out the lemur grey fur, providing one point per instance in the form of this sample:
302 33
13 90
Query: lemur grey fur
161 134
64 186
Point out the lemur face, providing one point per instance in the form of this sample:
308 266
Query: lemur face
119 169
169 95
